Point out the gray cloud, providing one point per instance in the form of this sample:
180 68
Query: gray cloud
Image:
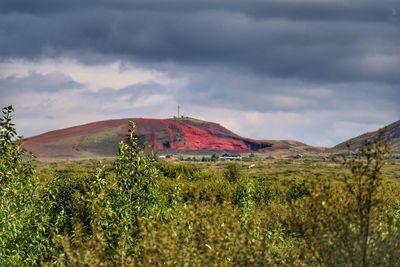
36 82
35 95
354 10
325 41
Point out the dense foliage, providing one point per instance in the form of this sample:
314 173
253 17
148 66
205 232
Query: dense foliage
137 210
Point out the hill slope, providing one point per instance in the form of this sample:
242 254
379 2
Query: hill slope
99 139
390 134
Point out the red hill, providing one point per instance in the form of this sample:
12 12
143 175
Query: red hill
99 139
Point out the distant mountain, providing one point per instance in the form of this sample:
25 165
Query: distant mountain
390 134
99 139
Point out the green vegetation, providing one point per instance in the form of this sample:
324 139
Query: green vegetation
138 211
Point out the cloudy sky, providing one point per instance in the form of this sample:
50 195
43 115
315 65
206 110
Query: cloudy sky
317 71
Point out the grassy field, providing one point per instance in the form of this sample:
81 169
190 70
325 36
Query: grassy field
263 167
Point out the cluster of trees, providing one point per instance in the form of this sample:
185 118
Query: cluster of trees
214 157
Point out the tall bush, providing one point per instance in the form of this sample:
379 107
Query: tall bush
22 232
118 202
342 222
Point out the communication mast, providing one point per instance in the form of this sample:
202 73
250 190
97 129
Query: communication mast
179 109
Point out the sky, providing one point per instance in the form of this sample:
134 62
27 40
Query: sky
316 71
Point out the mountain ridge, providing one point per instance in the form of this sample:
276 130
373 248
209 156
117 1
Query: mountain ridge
389 133
100 138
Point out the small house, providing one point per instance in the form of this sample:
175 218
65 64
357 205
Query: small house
228 156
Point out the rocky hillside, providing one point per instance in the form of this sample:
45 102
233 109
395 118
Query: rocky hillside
390 134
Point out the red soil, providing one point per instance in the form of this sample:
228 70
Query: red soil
187 135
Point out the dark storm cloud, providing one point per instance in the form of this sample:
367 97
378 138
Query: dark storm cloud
340 41
356 10
251 92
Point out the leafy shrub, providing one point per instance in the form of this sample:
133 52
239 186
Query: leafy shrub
64 195
174 171
214 237
243 196
214 157
266 192
298 190
117 205
22 233
342 223
232 172
214 189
